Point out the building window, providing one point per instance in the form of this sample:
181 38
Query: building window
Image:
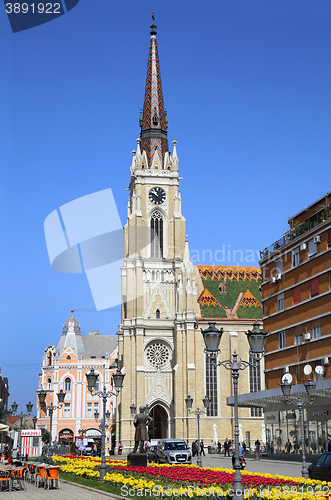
156 235
211 385
282 340
312 248
49 358
95 408
329 237
89 410
66 411
314 290
157 314
317 333
255 384
49 384
298 339
295 257
296 295
279 267
280 302
67 384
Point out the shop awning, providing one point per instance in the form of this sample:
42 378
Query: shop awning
274 400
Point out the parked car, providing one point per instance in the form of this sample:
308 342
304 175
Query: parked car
152 453
321 468
172 451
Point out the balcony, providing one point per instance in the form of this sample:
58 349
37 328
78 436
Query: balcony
298 230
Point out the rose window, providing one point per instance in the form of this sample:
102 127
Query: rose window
157 354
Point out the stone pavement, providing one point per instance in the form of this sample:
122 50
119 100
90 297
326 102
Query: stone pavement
68 491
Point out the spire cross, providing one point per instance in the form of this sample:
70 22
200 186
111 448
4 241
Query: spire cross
153 18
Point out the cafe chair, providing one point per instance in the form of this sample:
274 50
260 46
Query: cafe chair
5 480
18 477
52 477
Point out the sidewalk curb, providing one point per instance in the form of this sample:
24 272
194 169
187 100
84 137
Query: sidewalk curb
88 488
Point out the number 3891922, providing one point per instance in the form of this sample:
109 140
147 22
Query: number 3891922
38 8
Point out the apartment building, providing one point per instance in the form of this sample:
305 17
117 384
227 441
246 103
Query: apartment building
296 297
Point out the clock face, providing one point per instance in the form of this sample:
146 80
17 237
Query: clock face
157 195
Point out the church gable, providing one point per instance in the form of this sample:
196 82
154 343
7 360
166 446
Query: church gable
158 305
209 306
159 390
249 306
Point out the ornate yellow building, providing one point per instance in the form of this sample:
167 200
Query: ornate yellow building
166 300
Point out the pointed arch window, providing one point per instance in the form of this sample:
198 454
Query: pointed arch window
49 358
156 235
157 314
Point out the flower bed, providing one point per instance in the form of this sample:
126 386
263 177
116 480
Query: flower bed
172 481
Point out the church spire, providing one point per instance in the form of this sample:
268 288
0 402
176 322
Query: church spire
153 118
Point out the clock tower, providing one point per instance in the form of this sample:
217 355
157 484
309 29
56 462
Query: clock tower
159 296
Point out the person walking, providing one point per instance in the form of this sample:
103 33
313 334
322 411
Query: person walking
226 447
194 448
288 446
219 448
202 451
120 448
244 448
257 449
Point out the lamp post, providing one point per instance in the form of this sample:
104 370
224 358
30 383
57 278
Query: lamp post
197 413
42 393
34 420
300 403
117 380
14 407
256 339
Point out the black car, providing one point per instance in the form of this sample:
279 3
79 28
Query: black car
321 468
152 454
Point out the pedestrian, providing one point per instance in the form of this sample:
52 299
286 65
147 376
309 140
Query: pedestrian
120 448
202 451
194 449
288 446
244 448
257 449
241 455
226 447
219 448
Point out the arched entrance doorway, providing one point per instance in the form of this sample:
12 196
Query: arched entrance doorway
158 429
66 437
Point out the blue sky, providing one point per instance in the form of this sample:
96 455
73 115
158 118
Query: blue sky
246 85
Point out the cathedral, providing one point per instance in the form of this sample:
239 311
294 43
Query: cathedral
166 300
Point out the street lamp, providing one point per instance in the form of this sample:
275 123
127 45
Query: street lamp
133 409
42 393
257 340
311 390
14 407
197 413
34 420
117 381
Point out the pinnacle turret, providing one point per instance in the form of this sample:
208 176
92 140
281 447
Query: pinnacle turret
153 118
